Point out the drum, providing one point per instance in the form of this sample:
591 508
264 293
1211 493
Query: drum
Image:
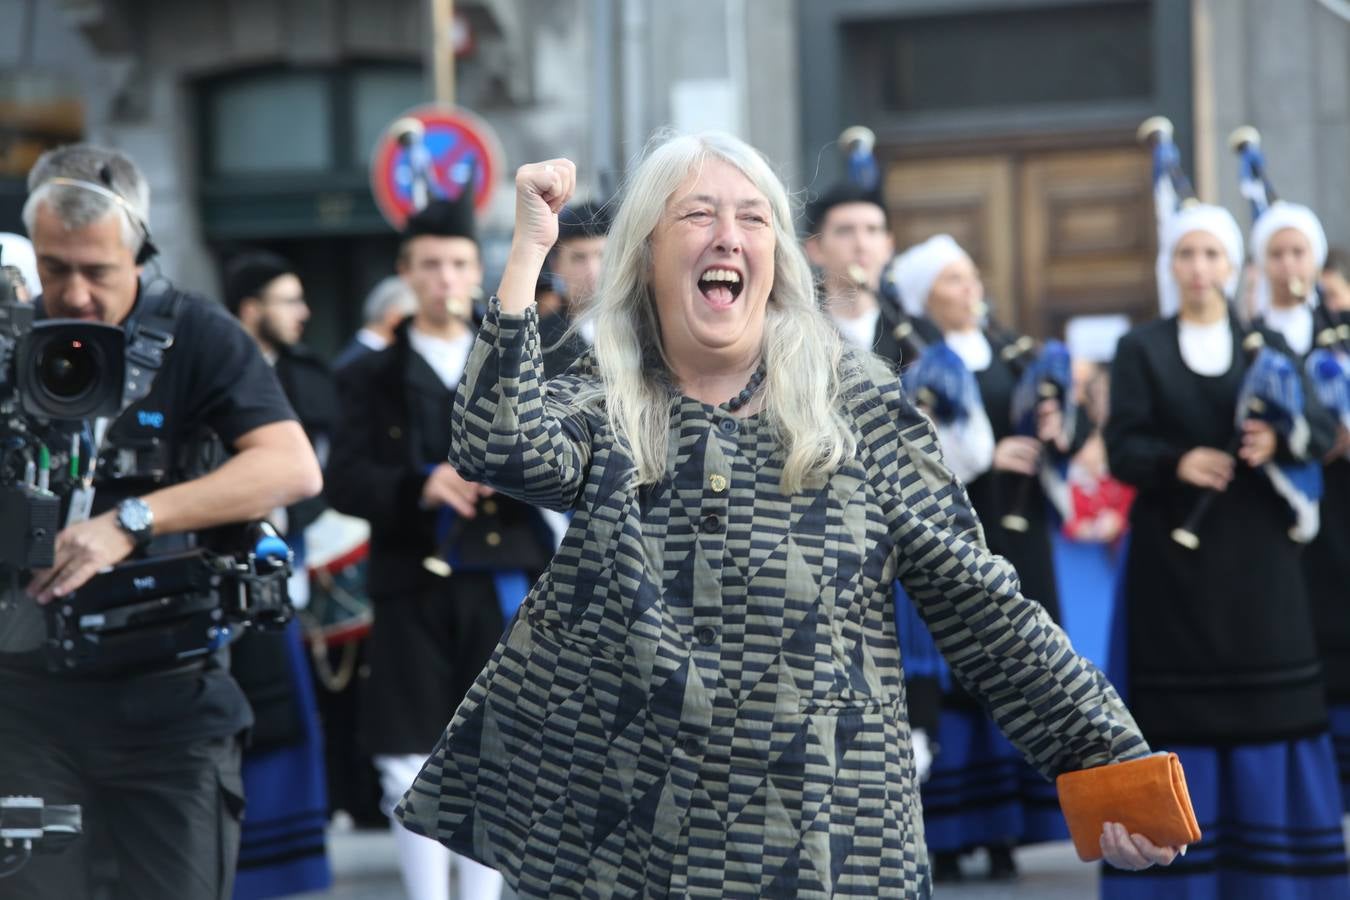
339 613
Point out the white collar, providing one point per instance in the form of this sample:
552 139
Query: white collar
859 330
1206 349
447 357
973 348
1295 323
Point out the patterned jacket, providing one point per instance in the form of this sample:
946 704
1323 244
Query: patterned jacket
703 694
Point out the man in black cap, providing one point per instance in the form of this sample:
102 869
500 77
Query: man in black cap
849 241
283 764
575 263
448 559
263 291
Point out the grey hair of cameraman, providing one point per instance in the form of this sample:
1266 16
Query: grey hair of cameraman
77 207
391 293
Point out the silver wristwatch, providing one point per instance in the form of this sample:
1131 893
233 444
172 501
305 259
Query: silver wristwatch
136 519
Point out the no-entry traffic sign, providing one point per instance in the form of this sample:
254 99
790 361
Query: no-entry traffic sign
429 152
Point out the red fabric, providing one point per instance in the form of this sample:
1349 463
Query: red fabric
1100 509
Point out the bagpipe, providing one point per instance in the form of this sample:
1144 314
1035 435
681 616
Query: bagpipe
857 142
940 382
1272 389
1328 363
1171 191
1255 185
1271 392
937 379
1044 374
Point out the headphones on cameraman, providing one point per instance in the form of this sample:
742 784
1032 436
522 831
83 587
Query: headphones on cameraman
148 249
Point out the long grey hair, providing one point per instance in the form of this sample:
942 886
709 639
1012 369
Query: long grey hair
803 354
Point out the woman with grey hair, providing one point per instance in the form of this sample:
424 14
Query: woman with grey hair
702 696
389 302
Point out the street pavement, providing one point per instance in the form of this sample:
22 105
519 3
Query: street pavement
366 868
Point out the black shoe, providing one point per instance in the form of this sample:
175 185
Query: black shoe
1001 864
946 867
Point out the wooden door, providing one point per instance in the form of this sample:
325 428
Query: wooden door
1055 233
1088 237
969 198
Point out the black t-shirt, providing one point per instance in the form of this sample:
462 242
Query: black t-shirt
213 377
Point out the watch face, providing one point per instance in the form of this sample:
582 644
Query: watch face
134 516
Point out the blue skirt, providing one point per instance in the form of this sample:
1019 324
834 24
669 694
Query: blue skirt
1086 575
1340 739
981 791
283 848
1271 819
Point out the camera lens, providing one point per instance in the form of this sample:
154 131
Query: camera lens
67 369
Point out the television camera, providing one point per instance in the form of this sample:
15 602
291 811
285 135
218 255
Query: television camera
62 383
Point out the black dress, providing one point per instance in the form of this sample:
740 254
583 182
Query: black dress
981 792
1221 646
992 494
1327 569
1326 566
431 635
1328 573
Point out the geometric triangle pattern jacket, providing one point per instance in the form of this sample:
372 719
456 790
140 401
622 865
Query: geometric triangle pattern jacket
702 696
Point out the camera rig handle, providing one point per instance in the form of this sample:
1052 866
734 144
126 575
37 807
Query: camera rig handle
170 609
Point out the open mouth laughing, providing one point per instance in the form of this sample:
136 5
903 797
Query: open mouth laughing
721 286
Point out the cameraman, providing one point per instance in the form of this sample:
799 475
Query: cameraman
151 753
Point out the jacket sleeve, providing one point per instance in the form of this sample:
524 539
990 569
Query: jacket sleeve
1057 707
356 481
512 430
1137 453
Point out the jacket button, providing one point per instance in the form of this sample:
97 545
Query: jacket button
712 524
729 426
489 507
706 635
691 746
395 432
492 538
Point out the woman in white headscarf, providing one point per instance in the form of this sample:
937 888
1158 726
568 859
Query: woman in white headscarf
1290 248
980 792
1219 655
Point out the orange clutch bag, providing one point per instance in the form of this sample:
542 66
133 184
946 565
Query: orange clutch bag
1148 796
